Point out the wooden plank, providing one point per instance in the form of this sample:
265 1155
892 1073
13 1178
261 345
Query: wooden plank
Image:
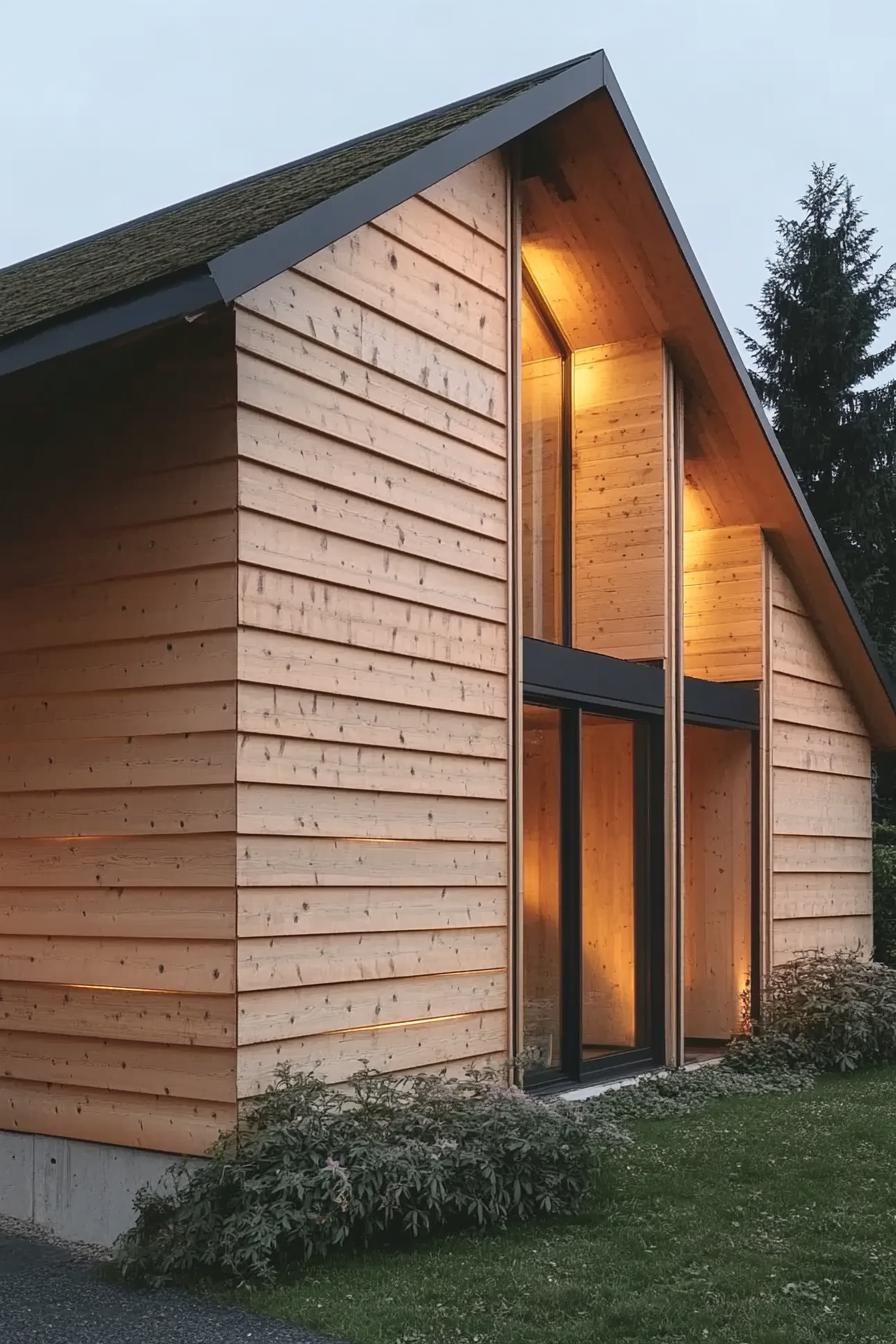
333 958
803 747
476 195
164 660
121 912
718 879
165 1124
722 589
285 712
797 700
673 718
271 911
387 275
822 895
496 1063
284 809
291 604
618 507
119 1014
820 854
333 320
125 963
279 861
316 505
608 895
279 1014
157 761
80 555
783 592
109 812
312 665
277 391
336 765
136 608
336 1056
846 933
368 383
198 1073
61 717
797 650
131 861
452 244
166 491
365 471
316 554
726 665
808 802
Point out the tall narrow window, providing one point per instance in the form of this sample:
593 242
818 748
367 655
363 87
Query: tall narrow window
542 412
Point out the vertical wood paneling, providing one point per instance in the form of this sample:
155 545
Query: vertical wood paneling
118 747
718 879
820 804
373 613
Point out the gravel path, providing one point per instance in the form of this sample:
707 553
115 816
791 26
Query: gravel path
50 1294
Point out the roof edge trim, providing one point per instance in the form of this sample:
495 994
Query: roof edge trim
642 154
191 292
259 259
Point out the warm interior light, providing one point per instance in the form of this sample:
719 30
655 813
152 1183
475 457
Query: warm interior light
410 1022
122 989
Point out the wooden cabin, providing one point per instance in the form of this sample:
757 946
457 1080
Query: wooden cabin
415 645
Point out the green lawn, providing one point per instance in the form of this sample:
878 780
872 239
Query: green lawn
756 1220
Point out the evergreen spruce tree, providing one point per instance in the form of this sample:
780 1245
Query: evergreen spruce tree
825 386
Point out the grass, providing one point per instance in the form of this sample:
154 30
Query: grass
767 1220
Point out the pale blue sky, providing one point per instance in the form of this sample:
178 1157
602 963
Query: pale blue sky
110 110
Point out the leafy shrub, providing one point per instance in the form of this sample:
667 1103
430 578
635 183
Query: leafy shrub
315 1168
827 1012
764 1052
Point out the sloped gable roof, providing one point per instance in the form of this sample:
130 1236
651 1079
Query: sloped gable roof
209 250
198 235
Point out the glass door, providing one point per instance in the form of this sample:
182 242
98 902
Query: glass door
592 892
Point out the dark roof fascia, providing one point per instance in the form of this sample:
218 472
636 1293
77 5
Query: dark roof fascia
191 292
258 259
624 112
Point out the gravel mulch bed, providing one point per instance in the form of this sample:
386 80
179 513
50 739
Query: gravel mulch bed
51 1293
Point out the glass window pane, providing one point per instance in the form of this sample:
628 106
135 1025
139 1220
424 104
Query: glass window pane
608 887
542 461
542 1018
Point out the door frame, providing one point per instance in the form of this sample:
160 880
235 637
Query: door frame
647 820
582 681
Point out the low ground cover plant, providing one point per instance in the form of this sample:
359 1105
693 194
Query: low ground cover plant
314 1168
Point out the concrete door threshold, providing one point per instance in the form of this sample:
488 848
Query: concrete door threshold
584 1091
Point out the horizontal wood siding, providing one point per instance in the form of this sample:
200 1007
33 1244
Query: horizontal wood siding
118 747
820 790
722 597
373 607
